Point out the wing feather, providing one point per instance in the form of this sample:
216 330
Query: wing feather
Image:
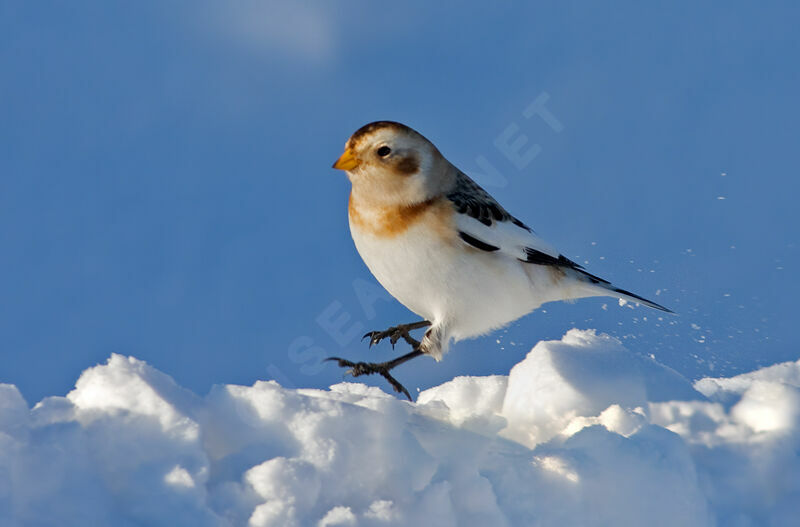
480 218
482 223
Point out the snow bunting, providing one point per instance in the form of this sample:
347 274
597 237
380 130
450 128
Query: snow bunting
445 248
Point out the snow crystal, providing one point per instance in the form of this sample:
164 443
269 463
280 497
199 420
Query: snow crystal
581 432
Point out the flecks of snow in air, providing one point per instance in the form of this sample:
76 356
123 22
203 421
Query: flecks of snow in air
581 432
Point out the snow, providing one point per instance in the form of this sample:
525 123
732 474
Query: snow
581 432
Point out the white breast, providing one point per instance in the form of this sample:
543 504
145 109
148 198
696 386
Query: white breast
466 291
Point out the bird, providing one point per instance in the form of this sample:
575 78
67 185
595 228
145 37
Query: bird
446 249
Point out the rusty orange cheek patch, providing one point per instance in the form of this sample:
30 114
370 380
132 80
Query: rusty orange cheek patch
391 221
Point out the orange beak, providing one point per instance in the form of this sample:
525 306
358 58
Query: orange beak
347 161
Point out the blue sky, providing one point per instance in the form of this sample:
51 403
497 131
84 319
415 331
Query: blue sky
166 191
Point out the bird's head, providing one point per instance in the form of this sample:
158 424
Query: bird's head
390 163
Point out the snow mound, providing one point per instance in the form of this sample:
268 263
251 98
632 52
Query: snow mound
581 432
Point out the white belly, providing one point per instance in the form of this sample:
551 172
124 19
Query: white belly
466 291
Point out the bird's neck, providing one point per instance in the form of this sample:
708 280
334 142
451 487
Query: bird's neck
386 220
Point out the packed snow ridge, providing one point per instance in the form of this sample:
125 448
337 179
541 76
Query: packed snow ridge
581 432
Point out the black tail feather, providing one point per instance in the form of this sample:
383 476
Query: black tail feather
642 300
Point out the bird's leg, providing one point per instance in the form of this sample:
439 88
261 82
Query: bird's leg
395 333
381 368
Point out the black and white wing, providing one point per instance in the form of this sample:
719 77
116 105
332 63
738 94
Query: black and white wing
486 225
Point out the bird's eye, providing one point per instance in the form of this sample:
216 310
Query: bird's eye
384 151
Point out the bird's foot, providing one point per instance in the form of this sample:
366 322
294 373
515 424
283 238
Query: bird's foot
396 333
381 368
369 368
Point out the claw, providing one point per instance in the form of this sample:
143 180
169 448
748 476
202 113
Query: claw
342 362
367 368
399 388
374 337
395 334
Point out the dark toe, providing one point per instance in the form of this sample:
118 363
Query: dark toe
341 362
